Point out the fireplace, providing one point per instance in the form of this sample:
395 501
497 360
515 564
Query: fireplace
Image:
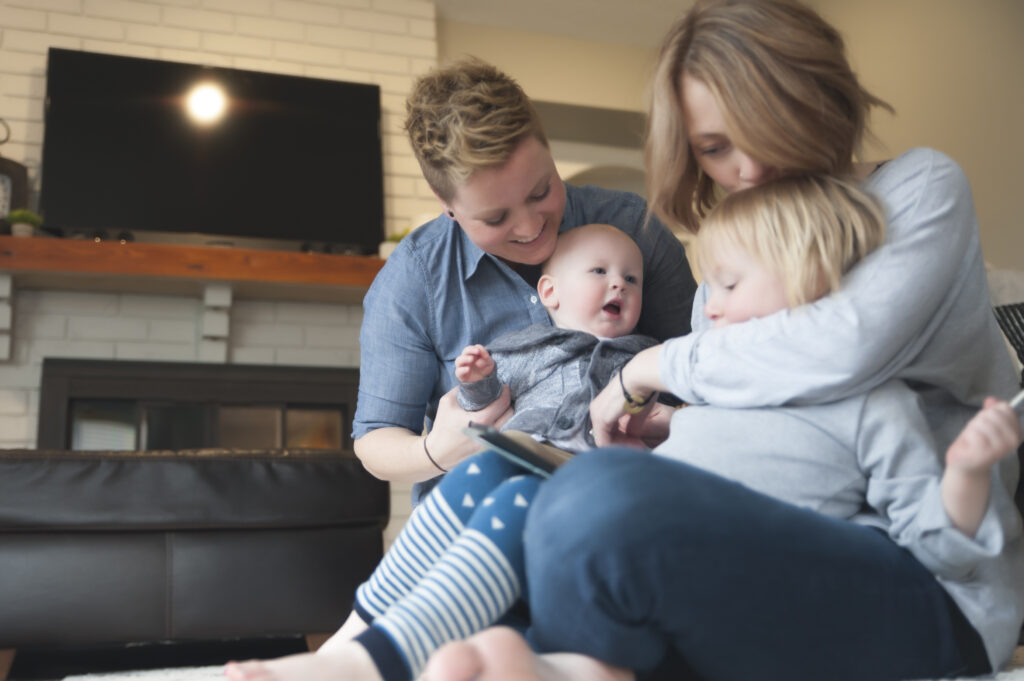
130 405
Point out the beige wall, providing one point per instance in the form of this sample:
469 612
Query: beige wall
953 69
556 69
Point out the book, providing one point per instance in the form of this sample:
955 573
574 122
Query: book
1017 403
519 447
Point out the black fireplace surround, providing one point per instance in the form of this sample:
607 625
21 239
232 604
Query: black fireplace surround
105 548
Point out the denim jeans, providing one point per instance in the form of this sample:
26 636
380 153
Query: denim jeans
674 572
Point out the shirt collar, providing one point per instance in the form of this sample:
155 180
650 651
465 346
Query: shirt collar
471 253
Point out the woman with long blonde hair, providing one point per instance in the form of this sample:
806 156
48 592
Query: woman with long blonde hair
678 573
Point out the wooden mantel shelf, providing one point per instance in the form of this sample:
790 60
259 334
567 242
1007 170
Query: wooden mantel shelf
37 262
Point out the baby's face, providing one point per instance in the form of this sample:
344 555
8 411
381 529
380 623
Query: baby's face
741 288
599 285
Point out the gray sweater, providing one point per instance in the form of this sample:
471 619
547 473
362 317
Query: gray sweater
916 309
552 375
872 460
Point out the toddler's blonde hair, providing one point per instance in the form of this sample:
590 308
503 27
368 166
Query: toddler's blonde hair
808 229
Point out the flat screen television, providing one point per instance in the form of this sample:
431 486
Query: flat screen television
292 161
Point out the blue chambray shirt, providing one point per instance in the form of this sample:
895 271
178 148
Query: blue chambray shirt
439 292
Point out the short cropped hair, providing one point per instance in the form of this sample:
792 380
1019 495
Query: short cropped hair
780 76
808 229
465 117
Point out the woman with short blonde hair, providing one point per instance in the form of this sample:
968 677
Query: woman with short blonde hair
468 276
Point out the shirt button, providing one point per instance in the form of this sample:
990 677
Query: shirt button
533 299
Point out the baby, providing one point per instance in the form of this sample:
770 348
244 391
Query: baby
591 287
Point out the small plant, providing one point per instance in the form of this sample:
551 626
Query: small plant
24 215
395 238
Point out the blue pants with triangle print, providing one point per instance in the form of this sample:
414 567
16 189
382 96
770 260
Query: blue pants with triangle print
456 568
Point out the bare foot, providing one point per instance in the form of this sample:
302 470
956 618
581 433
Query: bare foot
352 627
349 662
502 654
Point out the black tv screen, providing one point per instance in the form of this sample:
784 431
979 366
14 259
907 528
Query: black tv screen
292 158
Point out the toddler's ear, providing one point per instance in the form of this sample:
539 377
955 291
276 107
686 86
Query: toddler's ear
546 288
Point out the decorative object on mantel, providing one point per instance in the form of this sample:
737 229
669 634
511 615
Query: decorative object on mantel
23 222
389 244
13 179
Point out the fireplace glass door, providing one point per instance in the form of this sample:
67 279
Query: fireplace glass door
111 405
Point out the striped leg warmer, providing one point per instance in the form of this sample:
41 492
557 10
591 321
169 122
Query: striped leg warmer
469 588
430 530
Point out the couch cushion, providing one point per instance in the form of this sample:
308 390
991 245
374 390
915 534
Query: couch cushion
202 489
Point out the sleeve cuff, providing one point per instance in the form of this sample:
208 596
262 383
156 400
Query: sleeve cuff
476 395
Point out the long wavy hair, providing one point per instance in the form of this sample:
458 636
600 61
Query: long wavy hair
780 76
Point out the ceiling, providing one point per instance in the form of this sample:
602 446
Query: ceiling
633 22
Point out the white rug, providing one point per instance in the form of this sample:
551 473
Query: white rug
1015 673
172 674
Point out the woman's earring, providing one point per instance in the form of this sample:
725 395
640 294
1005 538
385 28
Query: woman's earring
451 214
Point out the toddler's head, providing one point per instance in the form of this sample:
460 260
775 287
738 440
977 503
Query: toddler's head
593 281
784 243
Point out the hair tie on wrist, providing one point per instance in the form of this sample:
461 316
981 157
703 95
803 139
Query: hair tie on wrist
633 405
427 452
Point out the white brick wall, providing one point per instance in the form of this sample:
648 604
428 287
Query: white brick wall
385 42
161 328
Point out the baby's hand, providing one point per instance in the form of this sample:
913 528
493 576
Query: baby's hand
987 438
474 364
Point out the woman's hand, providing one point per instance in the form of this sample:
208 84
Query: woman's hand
398 454
446 441
656 426
612 425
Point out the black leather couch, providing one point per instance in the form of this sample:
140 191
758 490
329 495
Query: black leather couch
104 548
